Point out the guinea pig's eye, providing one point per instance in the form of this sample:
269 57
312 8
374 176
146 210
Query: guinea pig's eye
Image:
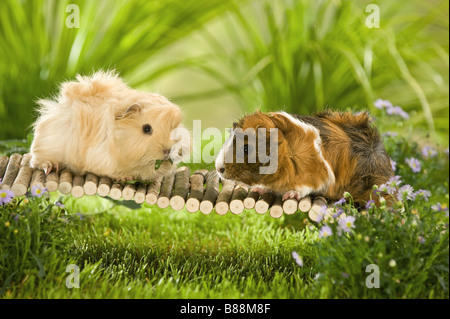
147 129
247 149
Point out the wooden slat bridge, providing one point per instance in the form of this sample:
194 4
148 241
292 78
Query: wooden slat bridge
200 191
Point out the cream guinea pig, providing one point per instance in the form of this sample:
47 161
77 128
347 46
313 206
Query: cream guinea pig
98 124
326 154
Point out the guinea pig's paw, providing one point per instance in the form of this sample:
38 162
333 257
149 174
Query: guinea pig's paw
293 194
48 167
260 190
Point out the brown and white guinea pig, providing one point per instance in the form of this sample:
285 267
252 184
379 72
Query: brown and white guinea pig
326 154
98 124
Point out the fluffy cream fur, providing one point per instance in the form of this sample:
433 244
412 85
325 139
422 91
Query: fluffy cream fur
96 125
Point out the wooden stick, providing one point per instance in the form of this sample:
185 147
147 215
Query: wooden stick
90 184
11 171
38 179
77 186
240 192
250 200
3 163
211 192
180 188
166 191
304 205
264 203
153 191
65 181
224 197
52 181
290 206
276 211
128 191
23 178
139 196
315 213
104 186
197 189
116 191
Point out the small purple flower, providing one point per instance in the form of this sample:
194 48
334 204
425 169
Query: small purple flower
423 193
393 165
338 213
38 191
429 152
80 216
438 207
345 275
414 164
381 104
347 223
391 185
390 134
297 258
406 192
6 196
421 240
59 204
16 218
340 202
370 204
325 231
397 111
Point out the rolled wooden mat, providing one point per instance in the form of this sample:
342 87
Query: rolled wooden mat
290 206
90 184
240 192
65 181
116 191
153 191
276 211
181 188
141 191
12 169
250 200
224 197
3 163
77 186
211 192
304 204
263 204
197 190
128 191
23 178
38 179
166 191
104 186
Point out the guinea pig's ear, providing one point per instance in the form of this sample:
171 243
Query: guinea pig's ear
131 110
235 125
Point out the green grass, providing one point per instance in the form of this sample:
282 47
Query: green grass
158 253
38 50
303 56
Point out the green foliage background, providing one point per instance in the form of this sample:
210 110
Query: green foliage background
221 58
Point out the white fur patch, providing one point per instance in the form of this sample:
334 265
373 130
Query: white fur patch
318 147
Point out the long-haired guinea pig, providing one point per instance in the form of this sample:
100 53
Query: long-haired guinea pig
98 124
326 154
